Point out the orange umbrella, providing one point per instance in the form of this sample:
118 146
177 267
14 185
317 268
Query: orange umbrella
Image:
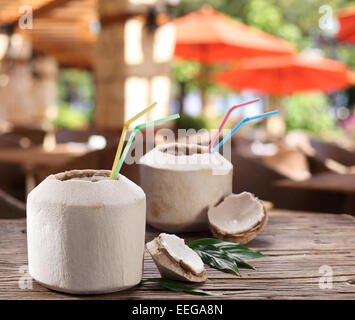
351 77
346 19
287 74
210 37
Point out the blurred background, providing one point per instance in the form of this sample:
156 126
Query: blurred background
73 71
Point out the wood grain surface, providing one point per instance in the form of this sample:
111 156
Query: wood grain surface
297 244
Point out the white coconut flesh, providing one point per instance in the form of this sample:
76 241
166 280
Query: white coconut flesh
237 213
181 253
90 179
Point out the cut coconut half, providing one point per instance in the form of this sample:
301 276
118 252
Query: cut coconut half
175 260
238 218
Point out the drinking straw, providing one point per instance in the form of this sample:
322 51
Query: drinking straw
225 120
130 140
123 135
240 124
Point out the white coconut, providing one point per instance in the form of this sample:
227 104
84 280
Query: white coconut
86 232
181 183
238 218
175 260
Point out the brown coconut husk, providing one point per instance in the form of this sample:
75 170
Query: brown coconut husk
168 267
242 238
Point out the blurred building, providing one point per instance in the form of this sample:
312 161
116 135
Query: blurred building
128 44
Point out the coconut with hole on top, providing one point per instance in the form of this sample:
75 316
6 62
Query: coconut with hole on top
86 232
175 260
181 182
238 218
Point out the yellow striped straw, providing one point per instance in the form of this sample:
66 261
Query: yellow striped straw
130 140
123 136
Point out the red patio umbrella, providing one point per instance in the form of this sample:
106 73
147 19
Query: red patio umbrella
351 77
346 19
211 37
287 74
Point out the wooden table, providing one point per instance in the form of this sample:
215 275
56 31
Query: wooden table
298 244
328 182
30 158
38 156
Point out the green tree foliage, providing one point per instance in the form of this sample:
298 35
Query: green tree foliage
186 71
309 112
293 20
70 118
188 122
290 19
79 81
74 85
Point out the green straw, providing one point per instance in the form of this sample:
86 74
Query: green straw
131 137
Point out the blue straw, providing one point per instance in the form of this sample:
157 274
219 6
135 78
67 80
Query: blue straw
240 124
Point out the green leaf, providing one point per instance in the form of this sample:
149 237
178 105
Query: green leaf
244 254
239 261
217 259
206 241
238 249
178 286
222 255
228 255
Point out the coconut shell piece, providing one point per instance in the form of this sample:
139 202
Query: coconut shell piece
168 267
216 224
268 205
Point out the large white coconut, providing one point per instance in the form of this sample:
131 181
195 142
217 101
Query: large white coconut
86 232
181 183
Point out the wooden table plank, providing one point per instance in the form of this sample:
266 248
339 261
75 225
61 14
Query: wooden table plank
37 156
296 243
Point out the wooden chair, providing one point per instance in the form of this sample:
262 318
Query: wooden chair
12 178
326 150
35 135
88 161
10 139
256 176
322 156
65 135
289 162
10 207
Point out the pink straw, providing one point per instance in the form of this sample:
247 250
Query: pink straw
225 120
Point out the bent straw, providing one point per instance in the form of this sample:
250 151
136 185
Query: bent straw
240 124
130 140
123 135
225 120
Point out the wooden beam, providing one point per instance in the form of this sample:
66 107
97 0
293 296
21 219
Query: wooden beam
9 14
43 10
